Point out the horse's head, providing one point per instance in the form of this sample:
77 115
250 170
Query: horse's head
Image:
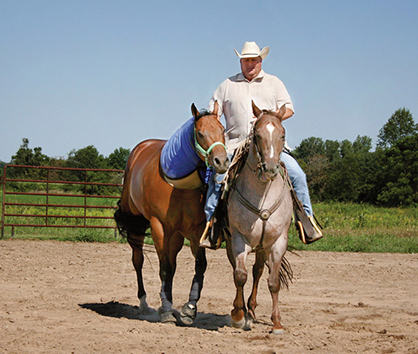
210 139
268 139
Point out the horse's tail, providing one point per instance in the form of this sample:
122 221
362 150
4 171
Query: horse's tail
129 224
286 273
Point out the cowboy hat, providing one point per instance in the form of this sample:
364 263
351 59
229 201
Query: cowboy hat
251 50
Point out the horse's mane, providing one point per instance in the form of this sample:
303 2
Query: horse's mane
268 111
237 163
203 113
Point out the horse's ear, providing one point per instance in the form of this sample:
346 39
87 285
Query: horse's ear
281 112
215 108
257 111
195 112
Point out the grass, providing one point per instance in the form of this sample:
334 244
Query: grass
347 227
69 233
363 228
74 235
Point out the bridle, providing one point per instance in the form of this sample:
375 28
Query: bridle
261 166
202 151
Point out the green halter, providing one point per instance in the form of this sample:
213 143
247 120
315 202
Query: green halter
204 152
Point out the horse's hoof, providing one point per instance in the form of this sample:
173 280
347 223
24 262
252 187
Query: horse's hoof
143 306
167 316
145 310
242 323
278 332
188 314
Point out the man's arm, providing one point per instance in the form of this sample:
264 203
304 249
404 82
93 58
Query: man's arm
288 114
217 96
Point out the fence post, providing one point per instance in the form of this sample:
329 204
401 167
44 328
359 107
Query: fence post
3 183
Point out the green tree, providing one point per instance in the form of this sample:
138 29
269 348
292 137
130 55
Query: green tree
118 158
310 147
316 170
400 125
400 173
332 150
29 157
362 144
346 148
343 177
87 157
338 170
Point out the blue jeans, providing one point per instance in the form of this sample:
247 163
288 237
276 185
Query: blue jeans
296 174
298 179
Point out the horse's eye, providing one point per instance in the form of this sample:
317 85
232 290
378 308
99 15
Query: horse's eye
200 135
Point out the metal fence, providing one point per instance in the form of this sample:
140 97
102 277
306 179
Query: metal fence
31 200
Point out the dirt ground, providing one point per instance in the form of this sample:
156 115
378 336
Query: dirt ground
64 297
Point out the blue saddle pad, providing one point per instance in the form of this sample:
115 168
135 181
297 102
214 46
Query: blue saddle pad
178 157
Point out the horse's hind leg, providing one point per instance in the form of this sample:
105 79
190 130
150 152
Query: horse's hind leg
134 228
167 246
258 269
137 244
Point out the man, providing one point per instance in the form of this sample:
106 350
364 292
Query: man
234 98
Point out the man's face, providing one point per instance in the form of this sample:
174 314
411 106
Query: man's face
251 67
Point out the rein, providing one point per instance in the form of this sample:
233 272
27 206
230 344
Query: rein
264 214
202 151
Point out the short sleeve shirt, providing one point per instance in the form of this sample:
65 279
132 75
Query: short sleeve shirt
234 97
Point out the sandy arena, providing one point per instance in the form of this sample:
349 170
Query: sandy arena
64 297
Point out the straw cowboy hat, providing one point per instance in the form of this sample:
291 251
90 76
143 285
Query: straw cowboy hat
251 50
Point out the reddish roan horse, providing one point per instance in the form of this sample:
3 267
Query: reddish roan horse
259 213
173 214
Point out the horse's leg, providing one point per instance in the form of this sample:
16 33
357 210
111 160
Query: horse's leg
275 257
258 269
137 244
239 312
189 310
229 252
167 248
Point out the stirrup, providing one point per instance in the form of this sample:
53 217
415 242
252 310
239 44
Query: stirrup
309 232
206 239
205 232
211 237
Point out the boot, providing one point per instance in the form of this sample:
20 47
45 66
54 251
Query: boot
308 229
211 235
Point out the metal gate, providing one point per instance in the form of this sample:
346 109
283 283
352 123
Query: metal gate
39 198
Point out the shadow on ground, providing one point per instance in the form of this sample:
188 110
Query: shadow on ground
116 309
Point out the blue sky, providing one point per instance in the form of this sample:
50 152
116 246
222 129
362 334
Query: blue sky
111 73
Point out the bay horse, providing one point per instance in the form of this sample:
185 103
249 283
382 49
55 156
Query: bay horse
259 214
173 214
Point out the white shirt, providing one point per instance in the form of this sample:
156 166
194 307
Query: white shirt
234 97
